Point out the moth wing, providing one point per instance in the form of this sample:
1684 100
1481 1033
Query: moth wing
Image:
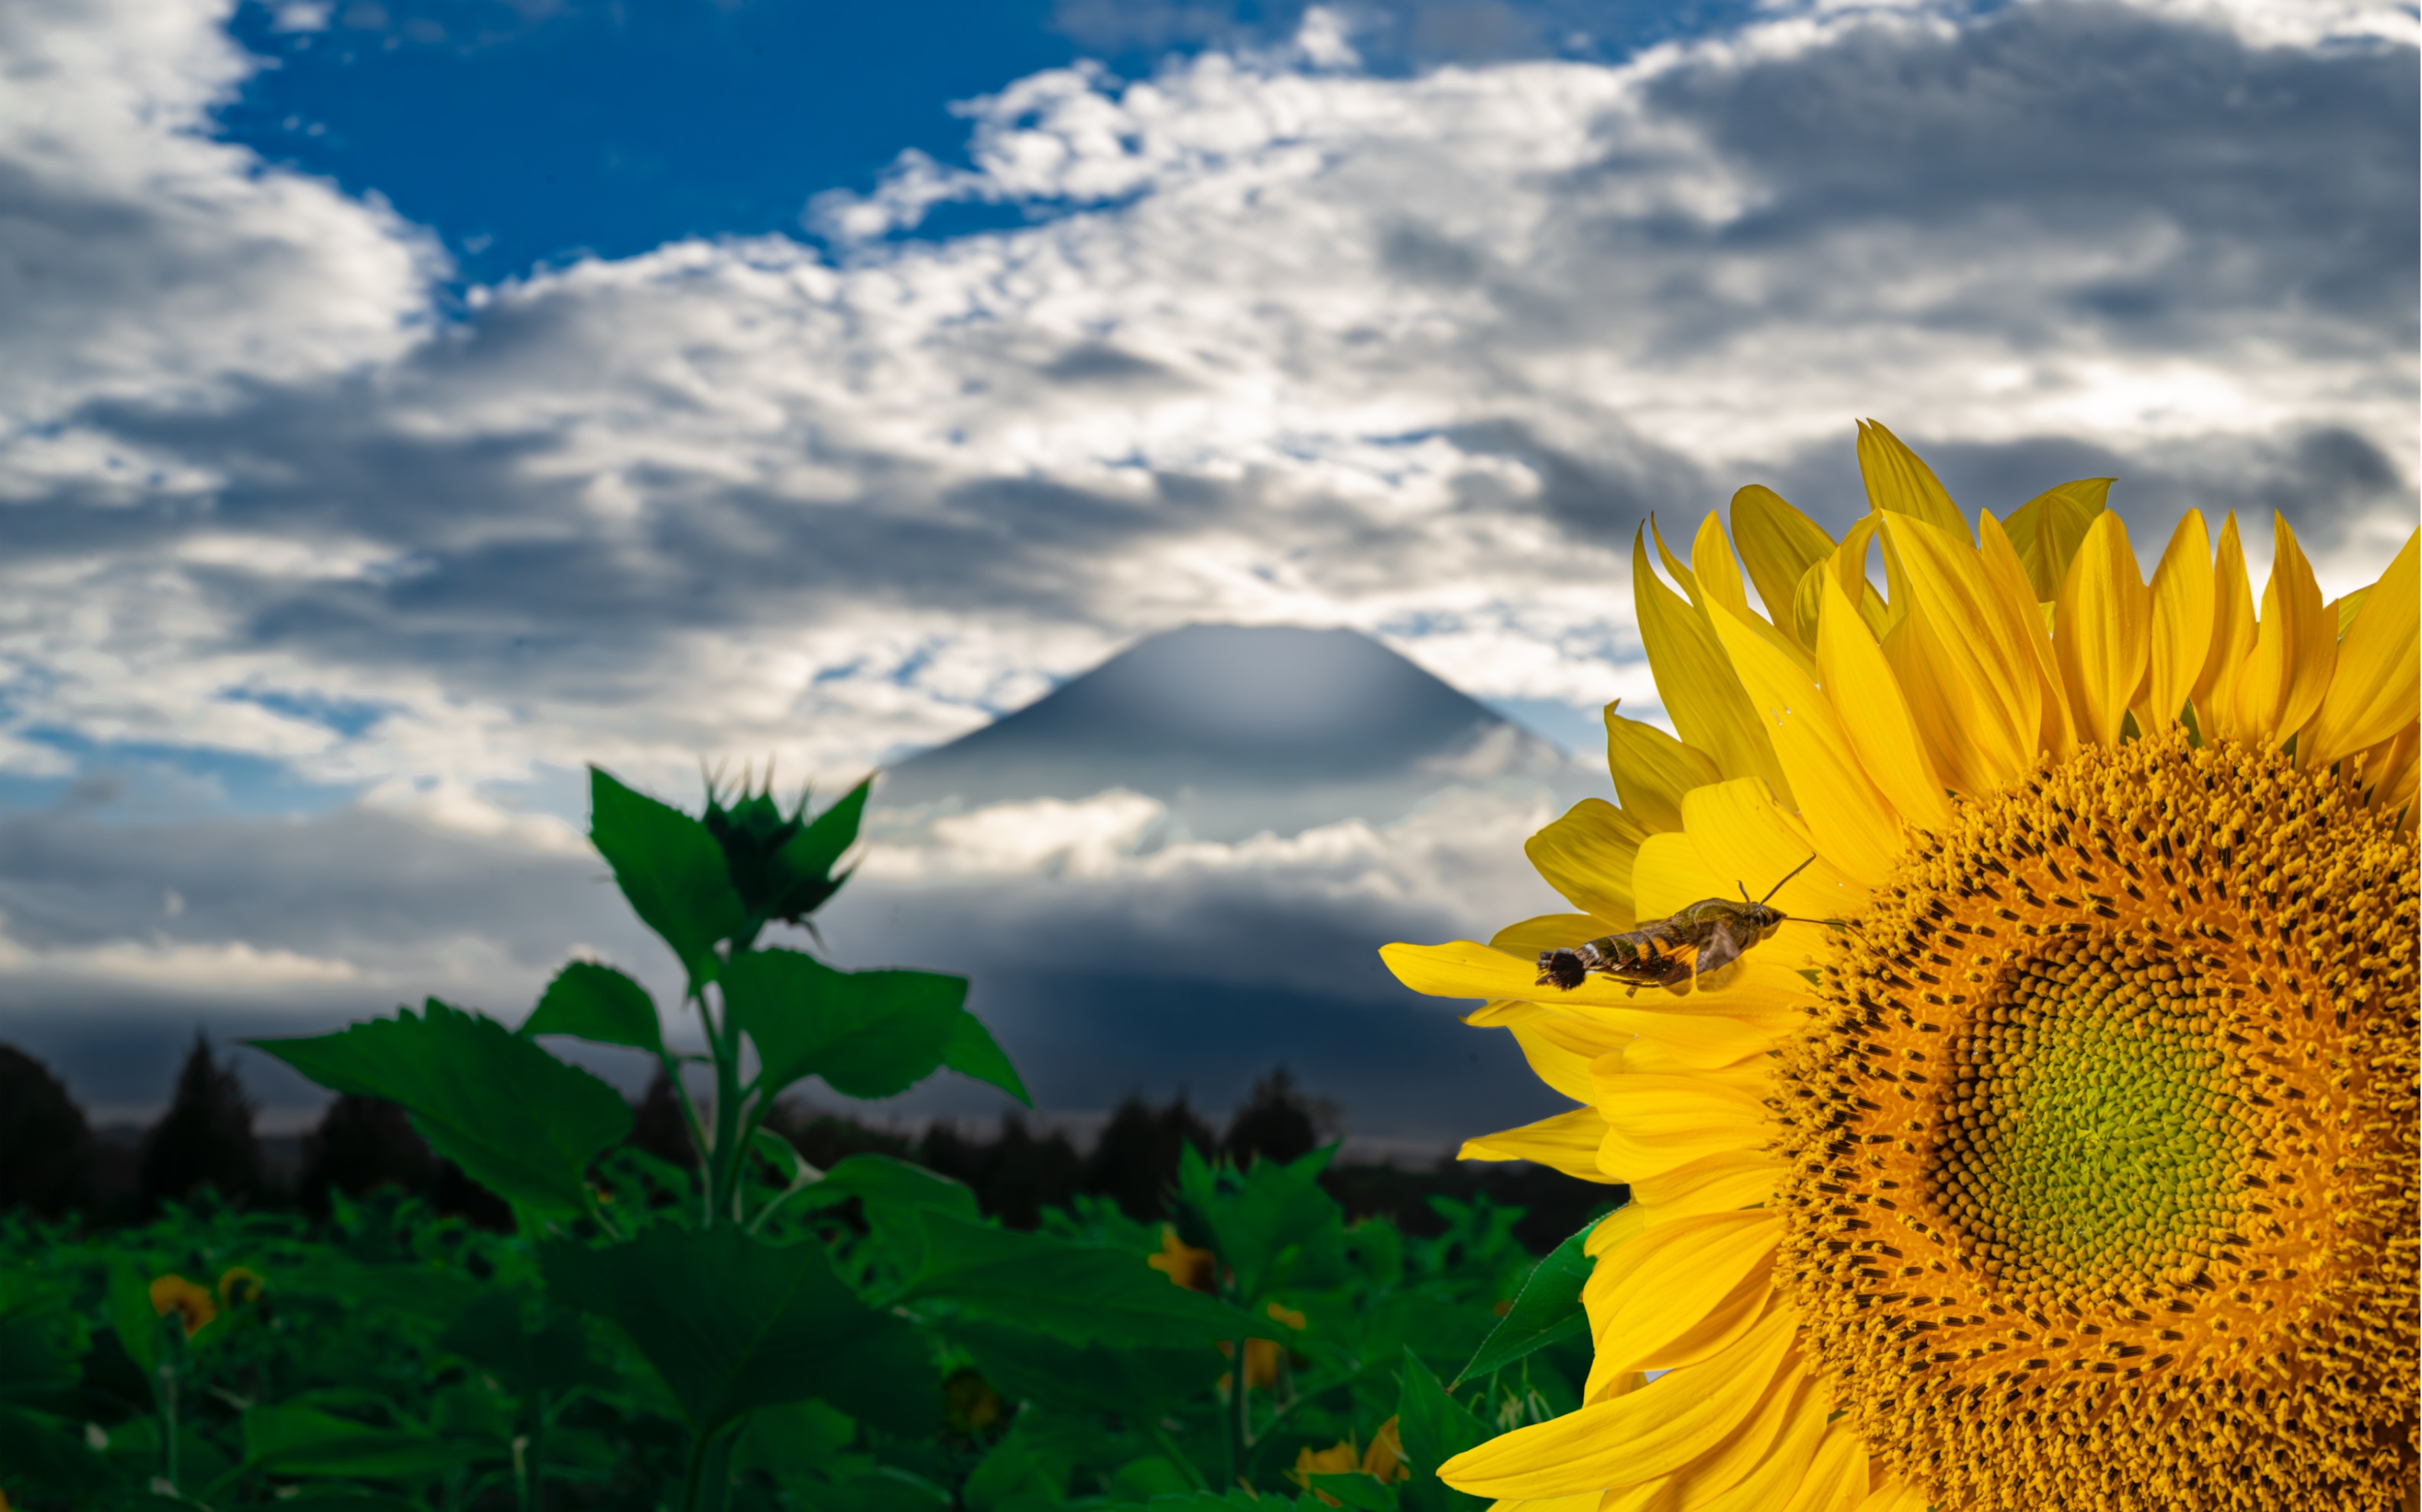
1724 947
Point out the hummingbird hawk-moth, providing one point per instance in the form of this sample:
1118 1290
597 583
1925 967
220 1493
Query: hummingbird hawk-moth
1714 930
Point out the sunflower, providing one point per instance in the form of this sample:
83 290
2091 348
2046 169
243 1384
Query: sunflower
2057 1148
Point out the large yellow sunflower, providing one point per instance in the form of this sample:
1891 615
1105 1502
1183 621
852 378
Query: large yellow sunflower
2060 1150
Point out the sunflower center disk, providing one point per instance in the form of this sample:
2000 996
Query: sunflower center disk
2090 1127
2100 1162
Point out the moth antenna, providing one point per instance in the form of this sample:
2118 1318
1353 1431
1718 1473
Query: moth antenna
1787 876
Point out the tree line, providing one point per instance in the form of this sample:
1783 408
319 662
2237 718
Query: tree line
52 1163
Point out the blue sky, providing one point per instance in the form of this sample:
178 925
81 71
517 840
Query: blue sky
534 132
658 382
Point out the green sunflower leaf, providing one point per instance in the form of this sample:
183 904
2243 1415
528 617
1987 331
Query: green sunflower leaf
971 1050
1546 1311
868 1034
518 1121
1081 1293
300 1441
43 1451
670 868
732 1324
1364 1493
1435 1428
597 1003
1273 1226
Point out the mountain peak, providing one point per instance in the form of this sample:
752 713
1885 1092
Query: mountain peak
1238 729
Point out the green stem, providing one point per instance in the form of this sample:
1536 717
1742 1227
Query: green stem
723 1175
533 1457
710 1477
169 1448
680 1092
1175 1455
1238 1441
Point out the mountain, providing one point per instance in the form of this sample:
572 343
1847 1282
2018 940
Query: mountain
1239 730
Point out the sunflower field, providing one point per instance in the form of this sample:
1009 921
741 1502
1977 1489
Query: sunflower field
757 1333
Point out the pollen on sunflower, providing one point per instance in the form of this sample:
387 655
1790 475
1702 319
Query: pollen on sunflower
2098 1159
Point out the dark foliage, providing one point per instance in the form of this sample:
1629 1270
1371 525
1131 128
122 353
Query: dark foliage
1555 1204
1280 1122
825 1139
1135 1162
455 1193
45 1148
658 1127
1015 1175
205 1138
360 1146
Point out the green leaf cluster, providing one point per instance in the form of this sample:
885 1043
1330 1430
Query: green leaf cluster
756 1332
886 1348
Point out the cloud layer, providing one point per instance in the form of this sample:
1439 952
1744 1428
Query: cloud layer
287 527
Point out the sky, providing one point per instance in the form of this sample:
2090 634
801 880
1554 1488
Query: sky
407 403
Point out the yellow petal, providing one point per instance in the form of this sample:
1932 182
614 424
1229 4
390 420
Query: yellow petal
1577 1501
1588 855
2295 646
2232 639
1555 1061
1784 1466
2056 731
2391 772
1587 1033
1549 932
1502 1015
1893 1495
1655 1124
1884 734
2348 606
2181 639
1899 482
1742 836
1848 567
1462 969
1652 770
2375 687
2047 529
1836 1479
1712 1184
1969 672
1649 1297
2105 629
1853 827
1780 546
1694 678
1792 1402
1567 1143
1670 876
1637 1436
1711 561
1684 1042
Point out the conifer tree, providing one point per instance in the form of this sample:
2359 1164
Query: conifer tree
45 1146
205 1138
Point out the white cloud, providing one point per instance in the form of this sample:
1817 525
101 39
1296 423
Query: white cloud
1285 342
1294 343
141 261
213 969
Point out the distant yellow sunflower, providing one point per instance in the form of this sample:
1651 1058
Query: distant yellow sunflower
2060 1150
